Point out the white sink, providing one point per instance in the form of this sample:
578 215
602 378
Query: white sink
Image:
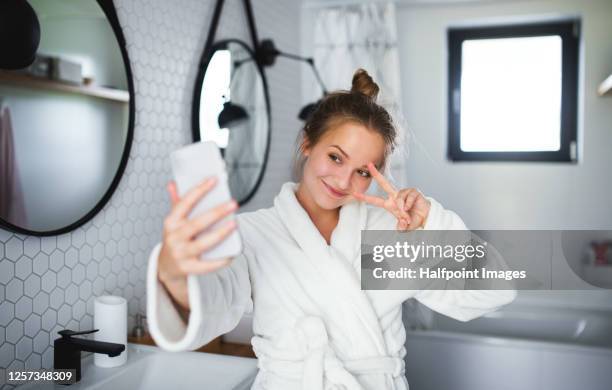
150 367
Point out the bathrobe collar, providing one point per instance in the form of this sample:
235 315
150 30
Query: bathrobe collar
339 263
346 237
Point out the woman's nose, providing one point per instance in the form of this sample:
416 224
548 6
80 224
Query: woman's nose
344 180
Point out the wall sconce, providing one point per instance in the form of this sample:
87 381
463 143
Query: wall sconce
266 54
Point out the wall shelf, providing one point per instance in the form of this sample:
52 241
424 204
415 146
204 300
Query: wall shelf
22 80
605 88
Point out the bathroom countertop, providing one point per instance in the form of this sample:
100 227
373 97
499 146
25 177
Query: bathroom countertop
149 367
217 346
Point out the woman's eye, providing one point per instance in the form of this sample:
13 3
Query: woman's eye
364 174
334 158
337 159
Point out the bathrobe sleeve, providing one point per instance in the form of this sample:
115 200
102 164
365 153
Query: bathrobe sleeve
217 301
462 305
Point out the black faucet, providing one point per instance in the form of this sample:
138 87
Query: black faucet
67 350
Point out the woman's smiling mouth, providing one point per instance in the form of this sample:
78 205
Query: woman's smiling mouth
335 193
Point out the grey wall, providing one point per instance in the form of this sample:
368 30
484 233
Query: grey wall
49 284
511 195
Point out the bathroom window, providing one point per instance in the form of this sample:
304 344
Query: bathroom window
513 92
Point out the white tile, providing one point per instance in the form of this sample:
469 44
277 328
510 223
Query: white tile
23 349
92 235
110 248
49 281
48 244
49 320
40 302
23 267
78 310
78 237
71 257
40 263
71 294
7 313
110 282
32 325
63 241
92 270
78 274
13 248
64 314
56 260
63 277
98 251
33 362
14 290
104 268
85 289
23 308
14 331
31 286
85 254
7 354
47 359
7 271
40 342
56 299
31 246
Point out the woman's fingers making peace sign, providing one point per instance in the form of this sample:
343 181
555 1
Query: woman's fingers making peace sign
408 205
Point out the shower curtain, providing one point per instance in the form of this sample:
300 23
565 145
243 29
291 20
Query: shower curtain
12 207
352 36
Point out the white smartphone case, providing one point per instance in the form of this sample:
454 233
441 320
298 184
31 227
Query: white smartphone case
190 166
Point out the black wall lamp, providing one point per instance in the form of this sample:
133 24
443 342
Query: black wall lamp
233 114
266 54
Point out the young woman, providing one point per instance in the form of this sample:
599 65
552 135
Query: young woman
299 272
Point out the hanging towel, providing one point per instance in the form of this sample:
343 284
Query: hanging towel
12 202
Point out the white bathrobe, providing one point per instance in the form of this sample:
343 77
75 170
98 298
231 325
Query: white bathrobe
314 327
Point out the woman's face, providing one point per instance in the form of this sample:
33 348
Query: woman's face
336 165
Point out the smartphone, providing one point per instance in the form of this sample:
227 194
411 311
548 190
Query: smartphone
190 166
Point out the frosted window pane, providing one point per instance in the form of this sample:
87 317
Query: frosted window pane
511 94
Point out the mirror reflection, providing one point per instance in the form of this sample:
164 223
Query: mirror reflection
234 113
63 120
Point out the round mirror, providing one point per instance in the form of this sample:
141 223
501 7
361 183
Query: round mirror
231 108
66 120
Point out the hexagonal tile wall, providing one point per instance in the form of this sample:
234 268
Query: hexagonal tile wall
48 283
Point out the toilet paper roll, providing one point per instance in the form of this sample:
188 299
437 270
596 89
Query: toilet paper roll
110 317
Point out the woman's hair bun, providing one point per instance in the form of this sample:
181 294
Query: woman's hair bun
363 83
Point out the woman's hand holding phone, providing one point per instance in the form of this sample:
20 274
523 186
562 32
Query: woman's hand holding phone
180 252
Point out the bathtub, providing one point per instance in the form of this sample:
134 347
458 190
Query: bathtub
511 349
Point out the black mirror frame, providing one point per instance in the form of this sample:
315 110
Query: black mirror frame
111 14
209 49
